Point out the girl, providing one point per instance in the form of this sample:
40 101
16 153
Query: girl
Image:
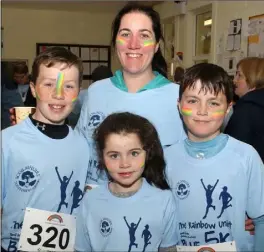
135 210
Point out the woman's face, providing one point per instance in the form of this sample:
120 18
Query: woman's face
241 87
136 43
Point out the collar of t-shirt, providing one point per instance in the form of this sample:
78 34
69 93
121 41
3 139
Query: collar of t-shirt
51 130
157 82
202 150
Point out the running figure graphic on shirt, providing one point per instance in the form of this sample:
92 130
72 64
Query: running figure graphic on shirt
147 236
77 195
226 198
209 191
132 230
63 187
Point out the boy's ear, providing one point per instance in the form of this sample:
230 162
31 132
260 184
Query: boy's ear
32 88
179 106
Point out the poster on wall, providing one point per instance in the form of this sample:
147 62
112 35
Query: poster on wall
234 35
256 36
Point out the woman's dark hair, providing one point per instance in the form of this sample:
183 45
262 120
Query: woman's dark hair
158 62
127 123
213 79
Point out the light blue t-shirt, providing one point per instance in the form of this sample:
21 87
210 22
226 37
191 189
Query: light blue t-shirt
142 222
158 105
214 194
39 172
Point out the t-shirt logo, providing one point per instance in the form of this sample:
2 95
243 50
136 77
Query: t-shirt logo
105 227
95 119
27 179
183 189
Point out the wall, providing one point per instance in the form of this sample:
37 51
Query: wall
23 28
222 13
229 10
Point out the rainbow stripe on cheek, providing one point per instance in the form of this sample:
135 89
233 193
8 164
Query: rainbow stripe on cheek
59 84
74 99
142 165
149 43
120 41
186 111
218 113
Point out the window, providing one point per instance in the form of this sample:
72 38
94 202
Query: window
203 28
203 33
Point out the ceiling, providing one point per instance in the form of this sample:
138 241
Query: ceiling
70 5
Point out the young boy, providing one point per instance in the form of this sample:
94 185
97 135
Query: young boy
44 162
217 180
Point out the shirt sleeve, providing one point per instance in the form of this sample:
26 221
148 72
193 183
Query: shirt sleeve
5 171
255 199
82 240
170 237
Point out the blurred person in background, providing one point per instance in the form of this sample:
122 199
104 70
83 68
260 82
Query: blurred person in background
247 121
178 75
21 78
10 96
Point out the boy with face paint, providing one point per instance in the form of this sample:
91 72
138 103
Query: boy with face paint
219 175
42 167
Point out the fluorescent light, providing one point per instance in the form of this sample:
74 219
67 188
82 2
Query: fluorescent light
207 22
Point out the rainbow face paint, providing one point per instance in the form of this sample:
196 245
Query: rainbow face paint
186 111
218 113
148 43
120 41
59 83
74 99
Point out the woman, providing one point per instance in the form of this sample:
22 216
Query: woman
247 122
140 86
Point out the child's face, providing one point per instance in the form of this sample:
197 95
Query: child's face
56 90
203 113
124 159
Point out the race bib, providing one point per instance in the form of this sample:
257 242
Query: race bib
47 231
218 247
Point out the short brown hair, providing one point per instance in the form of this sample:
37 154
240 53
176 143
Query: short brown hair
213 79
253 70
54 55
